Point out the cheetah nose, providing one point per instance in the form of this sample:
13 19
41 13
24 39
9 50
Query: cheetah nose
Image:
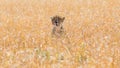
56 23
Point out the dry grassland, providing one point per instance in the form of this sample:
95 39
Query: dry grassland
92 34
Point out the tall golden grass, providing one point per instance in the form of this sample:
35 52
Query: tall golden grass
92 29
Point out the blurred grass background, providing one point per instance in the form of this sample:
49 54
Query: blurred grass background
92 28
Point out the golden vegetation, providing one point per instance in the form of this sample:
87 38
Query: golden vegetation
92 29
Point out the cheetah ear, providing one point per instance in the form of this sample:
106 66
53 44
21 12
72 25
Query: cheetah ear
51 18
63 18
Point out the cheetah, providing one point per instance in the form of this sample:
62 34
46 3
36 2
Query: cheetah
57 23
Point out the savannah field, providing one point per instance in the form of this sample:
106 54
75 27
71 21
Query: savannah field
92 38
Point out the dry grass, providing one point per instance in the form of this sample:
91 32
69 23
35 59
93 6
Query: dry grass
92 29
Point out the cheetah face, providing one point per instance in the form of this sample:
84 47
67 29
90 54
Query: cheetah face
57 21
